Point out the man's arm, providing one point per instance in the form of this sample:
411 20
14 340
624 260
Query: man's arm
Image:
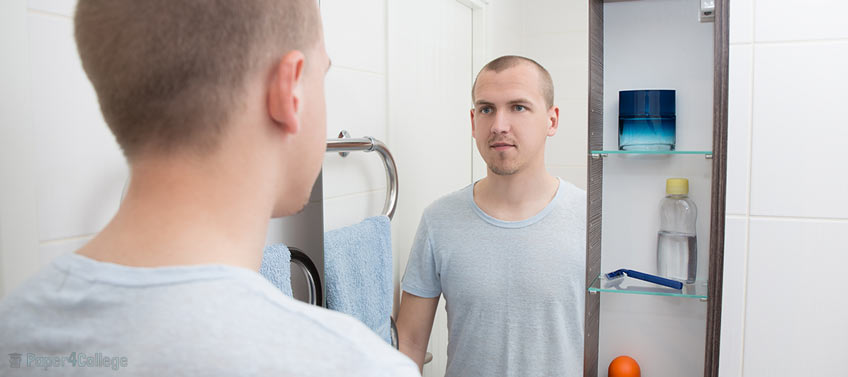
414 323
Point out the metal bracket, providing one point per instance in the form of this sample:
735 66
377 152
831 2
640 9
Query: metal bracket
343 134
707 13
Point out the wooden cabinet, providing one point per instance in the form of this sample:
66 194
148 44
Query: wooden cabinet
655 44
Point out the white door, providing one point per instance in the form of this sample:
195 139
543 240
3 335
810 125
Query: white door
430 73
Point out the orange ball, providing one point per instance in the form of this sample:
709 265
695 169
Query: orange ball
624 366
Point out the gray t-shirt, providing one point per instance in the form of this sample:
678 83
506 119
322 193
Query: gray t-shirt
80 317
514 289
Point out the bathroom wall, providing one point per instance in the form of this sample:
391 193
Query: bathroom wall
355 34
787 217
61 170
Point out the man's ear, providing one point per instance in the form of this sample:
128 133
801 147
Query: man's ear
472 123
553 116
285 91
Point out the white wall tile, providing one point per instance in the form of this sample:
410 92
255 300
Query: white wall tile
782 20
355 33
352 209
505 28
733 296
62 7
569 70
573 174
569 145
18 188
356 173
556 16
795 322
48 251
738 128
741 21
356 102
81 169
798 130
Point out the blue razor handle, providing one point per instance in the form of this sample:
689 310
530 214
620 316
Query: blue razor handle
646 277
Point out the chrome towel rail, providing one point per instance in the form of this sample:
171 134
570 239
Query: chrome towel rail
370 144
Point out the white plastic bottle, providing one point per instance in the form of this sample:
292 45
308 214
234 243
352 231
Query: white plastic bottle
677 245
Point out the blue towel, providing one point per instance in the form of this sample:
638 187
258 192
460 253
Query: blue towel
276 267
358 272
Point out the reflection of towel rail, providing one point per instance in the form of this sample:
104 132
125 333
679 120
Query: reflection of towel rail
370 144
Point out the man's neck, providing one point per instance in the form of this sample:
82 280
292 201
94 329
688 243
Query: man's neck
517 196
185 216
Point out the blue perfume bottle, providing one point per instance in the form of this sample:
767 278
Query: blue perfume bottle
646 120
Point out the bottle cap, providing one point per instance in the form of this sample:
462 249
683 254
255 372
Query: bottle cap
646 103
677 186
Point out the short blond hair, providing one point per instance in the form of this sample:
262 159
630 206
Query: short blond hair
546 84
169 73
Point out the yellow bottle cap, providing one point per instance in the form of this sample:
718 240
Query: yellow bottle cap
677 186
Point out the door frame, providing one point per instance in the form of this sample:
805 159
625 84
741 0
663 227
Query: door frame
480 55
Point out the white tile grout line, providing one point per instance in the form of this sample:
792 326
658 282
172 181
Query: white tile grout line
804 219
565 165
802 41
349 195
48 13
358 70
66 239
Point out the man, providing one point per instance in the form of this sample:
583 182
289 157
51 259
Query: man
219 109
507 252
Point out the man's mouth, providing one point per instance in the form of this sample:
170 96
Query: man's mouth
500 146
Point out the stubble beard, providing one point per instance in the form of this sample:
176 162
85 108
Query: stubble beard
501 166
498 170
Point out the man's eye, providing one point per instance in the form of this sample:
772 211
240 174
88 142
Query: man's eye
519 108
486 110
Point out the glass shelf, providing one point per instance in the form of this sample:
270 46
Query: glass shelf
629 285
597 154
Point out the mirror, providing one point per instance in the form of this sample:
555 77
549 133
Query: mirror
435 50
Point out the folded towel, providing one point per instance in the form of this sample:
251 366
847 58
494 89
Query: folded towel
276 267
358 272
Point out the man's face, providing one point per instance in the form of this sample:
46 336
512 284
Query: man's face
510 120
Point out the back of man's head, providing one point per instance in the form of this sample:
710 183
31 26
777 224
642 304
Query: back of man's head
546 84
169 74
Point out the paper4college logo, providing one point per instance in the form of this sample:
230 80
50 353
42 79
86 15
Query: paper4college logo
15 360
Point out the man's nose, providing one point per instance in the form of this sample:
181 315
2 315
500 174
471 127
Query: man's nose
500 124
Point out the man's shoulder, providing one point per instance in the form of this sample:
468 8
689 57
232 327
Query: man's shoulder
570 205
571 195
448 205
238 312
310 332
320 331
